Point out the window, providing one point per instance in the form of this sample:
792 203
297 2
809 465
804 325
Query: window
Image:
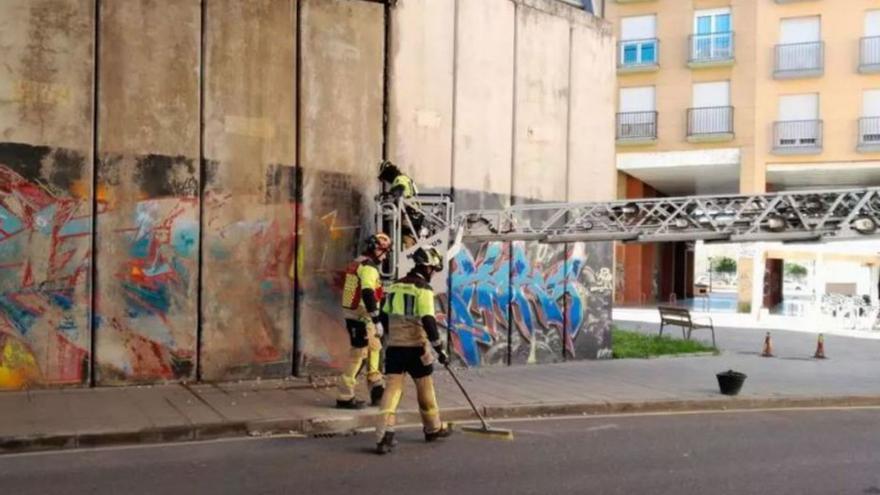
638 99
798 124
800 50
711 112
638 40
713 39
869 125
872 23
637 118
799 30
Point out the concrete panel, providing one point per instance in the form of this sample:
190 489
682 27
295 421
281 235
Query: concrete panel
483 104
420 91
341 144
480 273
541 110
46 73
249 200
148 183
589 292
592 172
540 159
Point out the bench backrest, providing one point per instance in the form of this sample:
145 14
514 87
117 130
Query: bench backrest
673 314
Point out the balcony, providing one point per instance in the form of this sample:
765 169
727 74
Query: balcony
711 50
638 55
869 135
709 124
635 128
799 60
797 137
869 55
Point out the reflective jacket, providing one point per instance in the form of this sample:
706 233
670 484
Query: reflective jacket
409 307
362 289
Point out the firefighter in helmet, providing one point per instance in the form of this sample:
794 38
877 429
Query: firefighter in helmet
411 343
361 299
402 186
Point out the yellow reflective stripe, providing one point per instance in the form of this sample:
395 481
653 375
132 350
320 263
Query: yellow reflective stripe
409 188
409 300
369 276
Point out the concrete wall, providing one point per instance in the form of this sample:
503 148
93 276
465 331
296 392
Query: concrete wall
235 171
250 184
147 239
46 109
518 135
341 146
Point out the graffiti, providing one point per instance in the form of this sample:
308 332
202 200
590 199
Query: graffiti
527 299
44 265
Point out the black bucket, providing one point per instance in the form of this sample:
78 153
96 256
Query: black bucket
730 382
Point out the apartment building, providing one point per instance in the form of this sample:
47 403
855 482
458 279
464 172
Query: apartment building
726 96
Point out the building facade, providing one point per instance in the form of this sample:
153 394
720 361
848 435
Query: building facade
741 96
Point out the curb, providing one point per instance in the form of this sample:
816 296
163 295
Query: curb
323 427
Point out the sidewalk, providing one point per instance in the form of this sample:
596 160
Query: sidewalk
48 419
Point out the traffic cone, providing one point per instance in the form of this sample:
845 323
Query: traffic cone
820 347
768 347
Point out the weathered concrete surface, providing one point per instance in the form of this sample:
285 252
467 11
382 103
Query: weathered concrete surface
341 146
592 174
45 191
249 209
483 103
148 185
420 89
540 161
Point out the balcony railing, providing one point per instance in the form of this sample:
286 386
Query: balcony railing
869 56
638 54
797 136
637 126
869 134
711 49
708 123
799 60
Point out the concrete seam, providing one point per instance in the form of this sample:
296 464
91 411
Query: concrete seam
93 266
203 401
510 326
203 13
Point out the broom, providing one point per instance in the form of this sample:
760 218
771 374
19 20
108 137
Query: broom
484 429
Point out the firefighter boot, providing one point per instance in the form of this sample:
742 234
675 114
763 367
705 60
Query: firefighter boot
350 404
387 444
444 432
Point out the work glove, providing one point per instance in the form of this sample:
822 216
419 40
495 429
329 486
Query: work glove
441 355
380 330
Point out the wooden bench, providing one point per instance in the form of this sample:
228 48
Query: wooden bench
681 317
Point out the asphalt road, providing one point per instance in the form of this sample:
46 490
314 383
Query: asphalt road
798 452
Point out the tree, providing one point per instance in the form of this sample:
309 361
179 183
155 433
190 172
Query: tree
795 270
724 265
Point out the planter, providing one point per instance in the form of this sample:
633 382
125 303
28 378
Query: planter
730 382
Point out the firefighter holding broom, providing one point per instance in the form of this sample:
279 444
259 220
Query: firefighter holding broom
412 340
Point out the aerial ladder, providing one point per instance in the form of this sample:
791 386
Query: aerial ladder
788 217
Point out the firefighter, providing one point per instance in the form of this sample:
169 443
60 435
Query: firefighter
361 299
402 186
412 341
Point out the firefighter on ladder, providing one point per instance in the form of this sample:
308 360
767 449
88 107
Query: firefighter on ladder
411 343
402 186
361 299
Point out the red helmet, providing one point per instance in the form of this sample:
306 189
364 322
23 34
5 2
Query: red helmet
378 242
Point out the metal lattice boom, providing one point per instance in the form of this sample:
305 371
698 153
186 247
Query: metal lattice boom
805 216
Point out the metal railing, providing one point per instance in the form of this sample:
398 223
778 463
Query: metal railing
795 58
869 53
711 47
638 53
636 125
869 131
797 135
709 120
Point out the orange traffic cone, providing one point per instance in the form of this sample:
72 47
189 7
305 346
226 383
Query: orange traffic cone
820 347
768 347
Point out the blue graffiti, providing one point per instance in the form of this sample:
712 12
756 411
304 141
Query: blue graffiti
494 293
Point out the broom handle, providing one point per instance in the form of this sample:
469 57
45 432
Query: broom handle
468 397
